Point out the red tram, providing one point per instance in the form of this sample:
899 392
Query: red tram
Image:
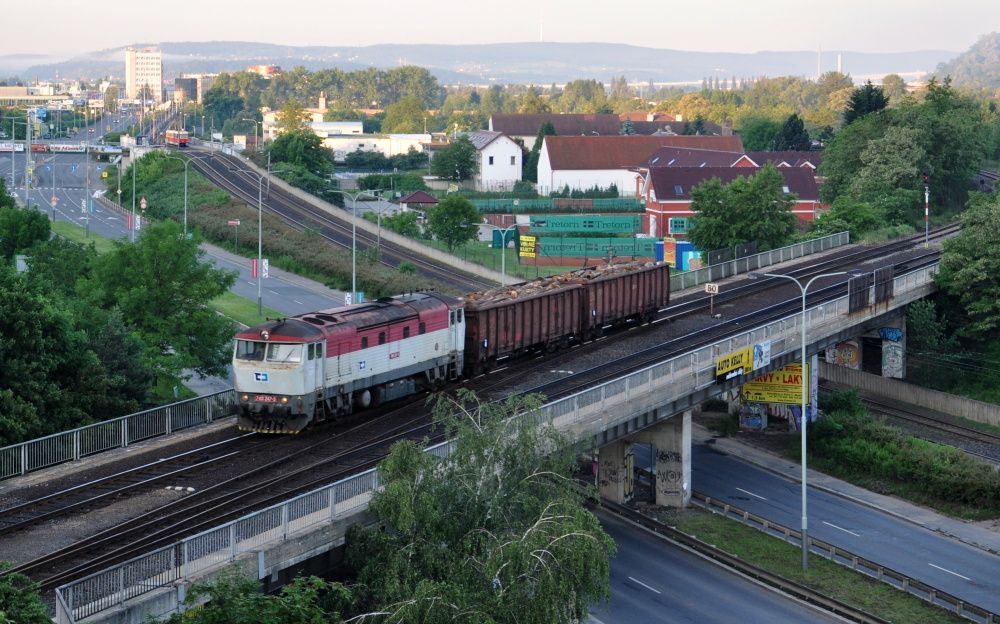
179 138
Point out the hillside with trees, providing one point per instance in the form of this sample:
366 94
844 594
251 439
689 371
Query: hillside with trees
978 68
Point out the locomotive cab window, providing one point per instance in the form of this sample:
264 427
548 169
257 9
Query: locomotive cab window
277 352
459 316
312 353
319 350
451 317
381 338
250 350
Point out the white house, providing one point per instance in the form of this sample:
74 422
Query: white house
388 144
499 161
582 162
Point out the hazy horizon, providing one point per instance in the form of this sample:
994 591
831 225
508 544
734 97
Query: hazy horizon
719 26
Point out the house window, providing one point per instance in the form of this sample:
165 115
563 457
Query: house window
785 190
491 160
678 190
678 225
513 160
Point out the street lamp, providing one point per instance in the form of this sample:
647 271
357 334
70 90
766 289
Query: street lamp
186 162
804 418
503 249
260 232
256 139
354 236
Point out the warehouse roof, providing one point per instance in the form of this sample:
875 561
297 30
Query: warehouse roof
624 152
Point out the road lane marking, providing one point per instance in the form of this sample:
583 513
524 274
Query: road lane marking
273 292
751 494
841 529
949 571
635 580
298 302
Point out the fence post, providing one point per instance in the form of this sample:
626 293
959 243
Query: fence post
333 502
121 585
24 458
76 444
232 542
284 521
124 422
208 411
168 428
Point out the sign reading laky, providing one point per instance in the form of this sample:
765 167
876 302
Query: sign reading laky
781 386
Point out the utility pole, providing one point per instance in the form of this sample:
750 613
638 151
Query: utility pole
927 209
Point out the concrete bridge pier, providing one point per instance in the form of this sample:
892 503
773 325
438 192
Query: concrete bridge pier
671 441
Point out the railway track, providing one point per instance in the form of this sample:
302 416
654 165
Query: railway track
970 436
347 452
224 172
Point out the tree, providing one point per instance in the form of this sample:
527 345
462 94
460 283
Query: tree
111 99
405 116
233 598
453 221
865 99
627 129
292 118
758 133
301 148
20 228
888 162
894 87
20 601
494 532
970 268
747 209
162 288
530 164
459 161
404 223
792 136
531 103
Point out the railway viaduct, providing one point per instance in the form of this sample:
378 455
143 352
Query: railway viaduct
651 405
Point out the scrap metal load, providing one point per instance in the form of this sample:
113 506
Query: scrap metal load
549 313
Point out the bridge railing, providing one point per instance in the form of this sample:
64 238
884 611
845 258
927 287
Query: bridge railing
704 275
577 416
19 459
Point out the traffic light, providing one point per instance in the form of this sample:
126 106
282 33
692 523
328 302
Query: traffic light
927 178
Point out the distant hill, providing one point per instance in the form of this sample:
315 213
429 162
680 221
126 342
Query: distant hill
540 63
977 68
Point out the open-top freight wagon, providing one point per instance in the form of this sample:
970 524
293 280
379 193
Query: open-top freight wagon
547 314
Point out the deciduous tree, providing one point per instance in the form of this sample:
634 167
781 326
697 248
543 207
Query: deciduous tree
459 161
495 532
405 116
20 228
453 221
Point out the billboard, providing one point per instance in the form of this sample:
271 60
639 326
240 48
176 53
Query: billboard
781 386
742 362
526 246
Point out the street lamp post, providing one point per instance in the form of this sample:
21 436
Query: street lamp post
804 417
354 237
503 249
186 162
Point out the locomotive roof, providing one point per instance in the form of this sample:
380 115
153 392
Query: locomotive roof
312 326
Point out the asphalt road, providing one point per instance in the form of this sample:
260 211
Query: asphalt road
964 571
652 581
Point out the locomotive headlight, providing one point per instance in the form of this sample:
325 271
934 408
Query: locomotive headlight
284 399
246 397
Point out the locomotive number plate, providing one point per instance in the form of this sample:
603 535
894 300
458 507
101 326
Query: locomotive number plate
265 398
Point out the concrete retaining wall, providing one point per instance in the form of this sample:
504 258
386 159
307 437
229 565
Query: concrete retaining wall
915 395
431 254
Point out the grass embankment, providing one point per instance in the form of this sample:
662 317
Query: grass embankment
824 576
849 444
161 182
483 254
238 308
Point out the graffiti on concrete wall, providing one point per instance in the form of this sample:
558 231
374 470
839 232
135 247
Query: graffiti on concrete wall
891 334
847 354
892 360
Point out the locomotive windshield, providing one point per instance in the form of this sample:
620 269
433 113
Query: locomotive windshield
277 352
250 350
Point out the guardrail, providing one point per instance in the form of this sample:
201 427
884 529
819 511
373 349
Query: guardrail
845 557
576 416
160 568
19 459
680 281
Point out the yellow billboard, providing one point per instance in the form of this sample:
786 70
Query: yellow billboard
733 365
526 246
781 386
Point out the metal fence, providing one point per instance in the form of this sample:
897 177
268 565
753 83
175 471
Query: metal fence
576 416
57 448
680 281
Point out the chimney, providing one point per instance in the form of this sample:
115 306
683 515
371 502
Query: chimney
322 100
840 63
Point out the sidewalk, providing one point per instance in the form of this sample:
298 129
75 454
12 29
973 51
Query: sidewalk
963 531
275 273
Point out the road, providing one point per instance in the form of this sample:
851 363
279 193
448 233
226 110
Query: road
652 581
67 173
959 569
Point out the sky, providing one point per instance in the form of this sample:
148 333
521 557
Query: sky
69 28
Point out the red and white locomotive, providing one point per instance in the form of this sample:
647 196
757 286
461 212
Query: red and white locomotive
292 372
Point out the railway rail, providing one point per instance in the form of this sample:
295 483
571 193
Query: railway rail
224 172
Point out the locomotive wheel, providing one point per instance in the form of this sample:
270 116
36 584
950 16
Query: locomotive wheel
363 399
